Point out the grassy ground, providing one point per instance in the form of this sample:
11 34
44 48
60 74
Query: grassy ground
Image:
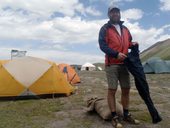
70 112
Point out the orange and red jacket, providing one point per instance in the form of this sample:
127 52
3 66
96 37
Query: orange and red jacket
111 43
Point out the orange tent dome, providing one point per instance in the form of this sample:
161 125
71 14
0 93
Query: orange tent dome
69 73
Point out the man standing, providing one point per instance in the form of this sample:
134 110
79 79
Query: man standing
114 41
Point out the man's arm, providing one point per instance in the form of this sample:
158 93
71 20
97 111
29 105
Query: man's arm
103 45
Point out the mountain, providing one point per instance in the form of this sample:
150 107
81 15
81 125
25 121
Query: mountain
160 49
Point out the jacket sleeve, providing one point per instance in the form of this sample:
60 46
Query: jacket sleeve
104 46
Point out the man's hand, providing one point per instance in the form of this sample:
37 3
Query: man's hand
121 56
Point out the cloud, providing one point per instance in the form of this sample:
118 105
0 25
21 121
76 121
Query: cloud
48 8
58 30
30 29
132 14
67 57
5 53
59 56
76 28
129 0
147 37
165 5
25 20
118 2
93 11
50 37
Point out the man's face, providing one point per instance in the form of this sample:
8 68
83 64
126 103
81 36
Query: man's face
114 16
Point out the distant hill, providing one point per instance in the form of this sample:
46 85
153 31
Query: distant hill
160 49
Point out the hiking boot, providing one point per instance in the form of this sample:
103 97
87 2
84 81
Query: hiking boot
116 122
131 120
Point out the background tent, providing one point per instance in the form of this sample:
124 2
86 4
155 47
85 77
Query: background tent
156 65
147 68
69 73
76 67
168 63
99 68
88 67
32 76
3 62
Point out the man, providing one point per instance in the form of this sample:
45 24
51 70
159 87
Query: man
114 41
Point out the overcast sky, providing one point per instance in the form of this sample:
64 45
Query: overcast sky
66 31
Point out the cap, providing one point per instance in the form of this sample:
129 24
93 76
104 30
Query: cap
111 8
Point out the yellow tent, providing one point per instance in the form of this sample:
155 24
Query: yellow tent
30 76
3 62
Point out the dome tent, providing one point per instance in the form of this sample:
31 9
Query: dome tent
88 67
30 76
156 65
69 73
147 68
168 63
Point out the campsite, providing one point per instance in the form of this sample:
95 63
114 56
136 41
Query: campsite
59 93
70 111
55 55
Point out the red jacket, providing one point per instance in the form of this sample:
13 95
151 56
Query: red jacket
111 43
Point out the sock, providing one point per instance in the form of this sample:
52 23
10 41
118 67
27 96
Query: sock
125 112
114 114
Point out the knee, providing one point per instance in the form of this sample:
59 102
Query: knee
125 92
112 92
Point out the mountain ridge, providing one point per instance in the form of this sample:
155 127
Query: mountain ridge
160 49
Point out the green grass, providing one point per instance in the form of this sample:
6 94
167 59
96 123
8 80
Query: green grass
163 52
144 117
80 123
28 113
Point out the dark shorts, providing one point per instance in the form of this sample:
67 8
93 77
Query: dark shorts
115 74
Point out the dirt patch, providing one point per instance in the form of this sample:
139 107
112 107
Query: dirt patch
94 84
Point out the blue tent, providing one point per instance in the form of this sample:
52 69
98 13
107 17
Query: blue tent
156 65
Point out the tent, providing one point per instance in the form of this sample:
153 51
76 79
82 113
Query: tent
76 67
147 68
69 73
156 65
168 63
30 76
3 61
99 68
88 67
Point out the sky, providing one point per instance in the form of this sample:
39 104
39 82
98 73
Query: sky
66 31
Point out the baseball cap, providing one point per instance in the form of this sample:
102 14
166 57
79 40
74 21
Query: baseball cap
111 8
